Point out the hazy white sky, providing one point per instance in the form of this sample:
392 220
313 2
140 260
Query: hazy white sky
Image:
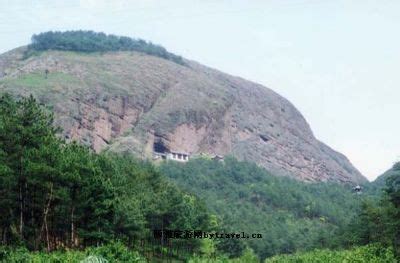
336 61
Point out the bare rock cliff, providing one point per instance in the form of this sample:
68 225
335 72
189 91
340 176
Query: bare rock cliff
127 101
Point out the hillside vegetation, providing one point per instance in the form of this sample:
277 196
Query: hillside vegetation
113 252
367 254
89 41
379 221
294 216
291 215
56 195
71 189
59 196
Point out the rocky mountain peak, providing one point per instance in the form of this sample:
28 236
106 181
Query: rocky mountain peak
127 101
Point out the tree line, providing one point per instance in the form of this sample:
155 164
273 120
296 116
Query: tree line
293 216
290 214
90 41
379 219
57 195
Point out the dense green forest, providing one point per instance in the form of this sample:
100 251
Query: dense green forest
379 220
63 202
375 231
291 215
89 41
294 216
58 196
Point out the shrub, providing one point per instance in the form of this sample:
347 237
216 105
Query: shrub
114 252
367 254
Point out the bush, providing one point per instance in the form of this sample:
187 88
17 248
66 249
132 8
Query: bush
367 254
114 252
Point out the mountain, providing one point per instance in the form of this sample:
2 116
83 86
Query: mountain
128 101
379 183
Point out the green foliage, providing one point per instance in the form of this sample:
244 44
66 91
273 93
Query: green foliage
89 41
370 225
233 248
207 247
365 254
290 215
393 213
198 259
379 221
247 257
378 186
22 255
57 195
115 252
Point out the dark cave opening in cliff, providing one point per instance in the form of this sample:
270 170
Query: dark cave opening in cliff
159 147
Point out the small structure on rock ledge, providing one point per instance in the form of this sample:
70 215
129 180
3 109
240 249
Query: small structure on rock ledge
218 158
172 155
161 151
357 189
178 156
